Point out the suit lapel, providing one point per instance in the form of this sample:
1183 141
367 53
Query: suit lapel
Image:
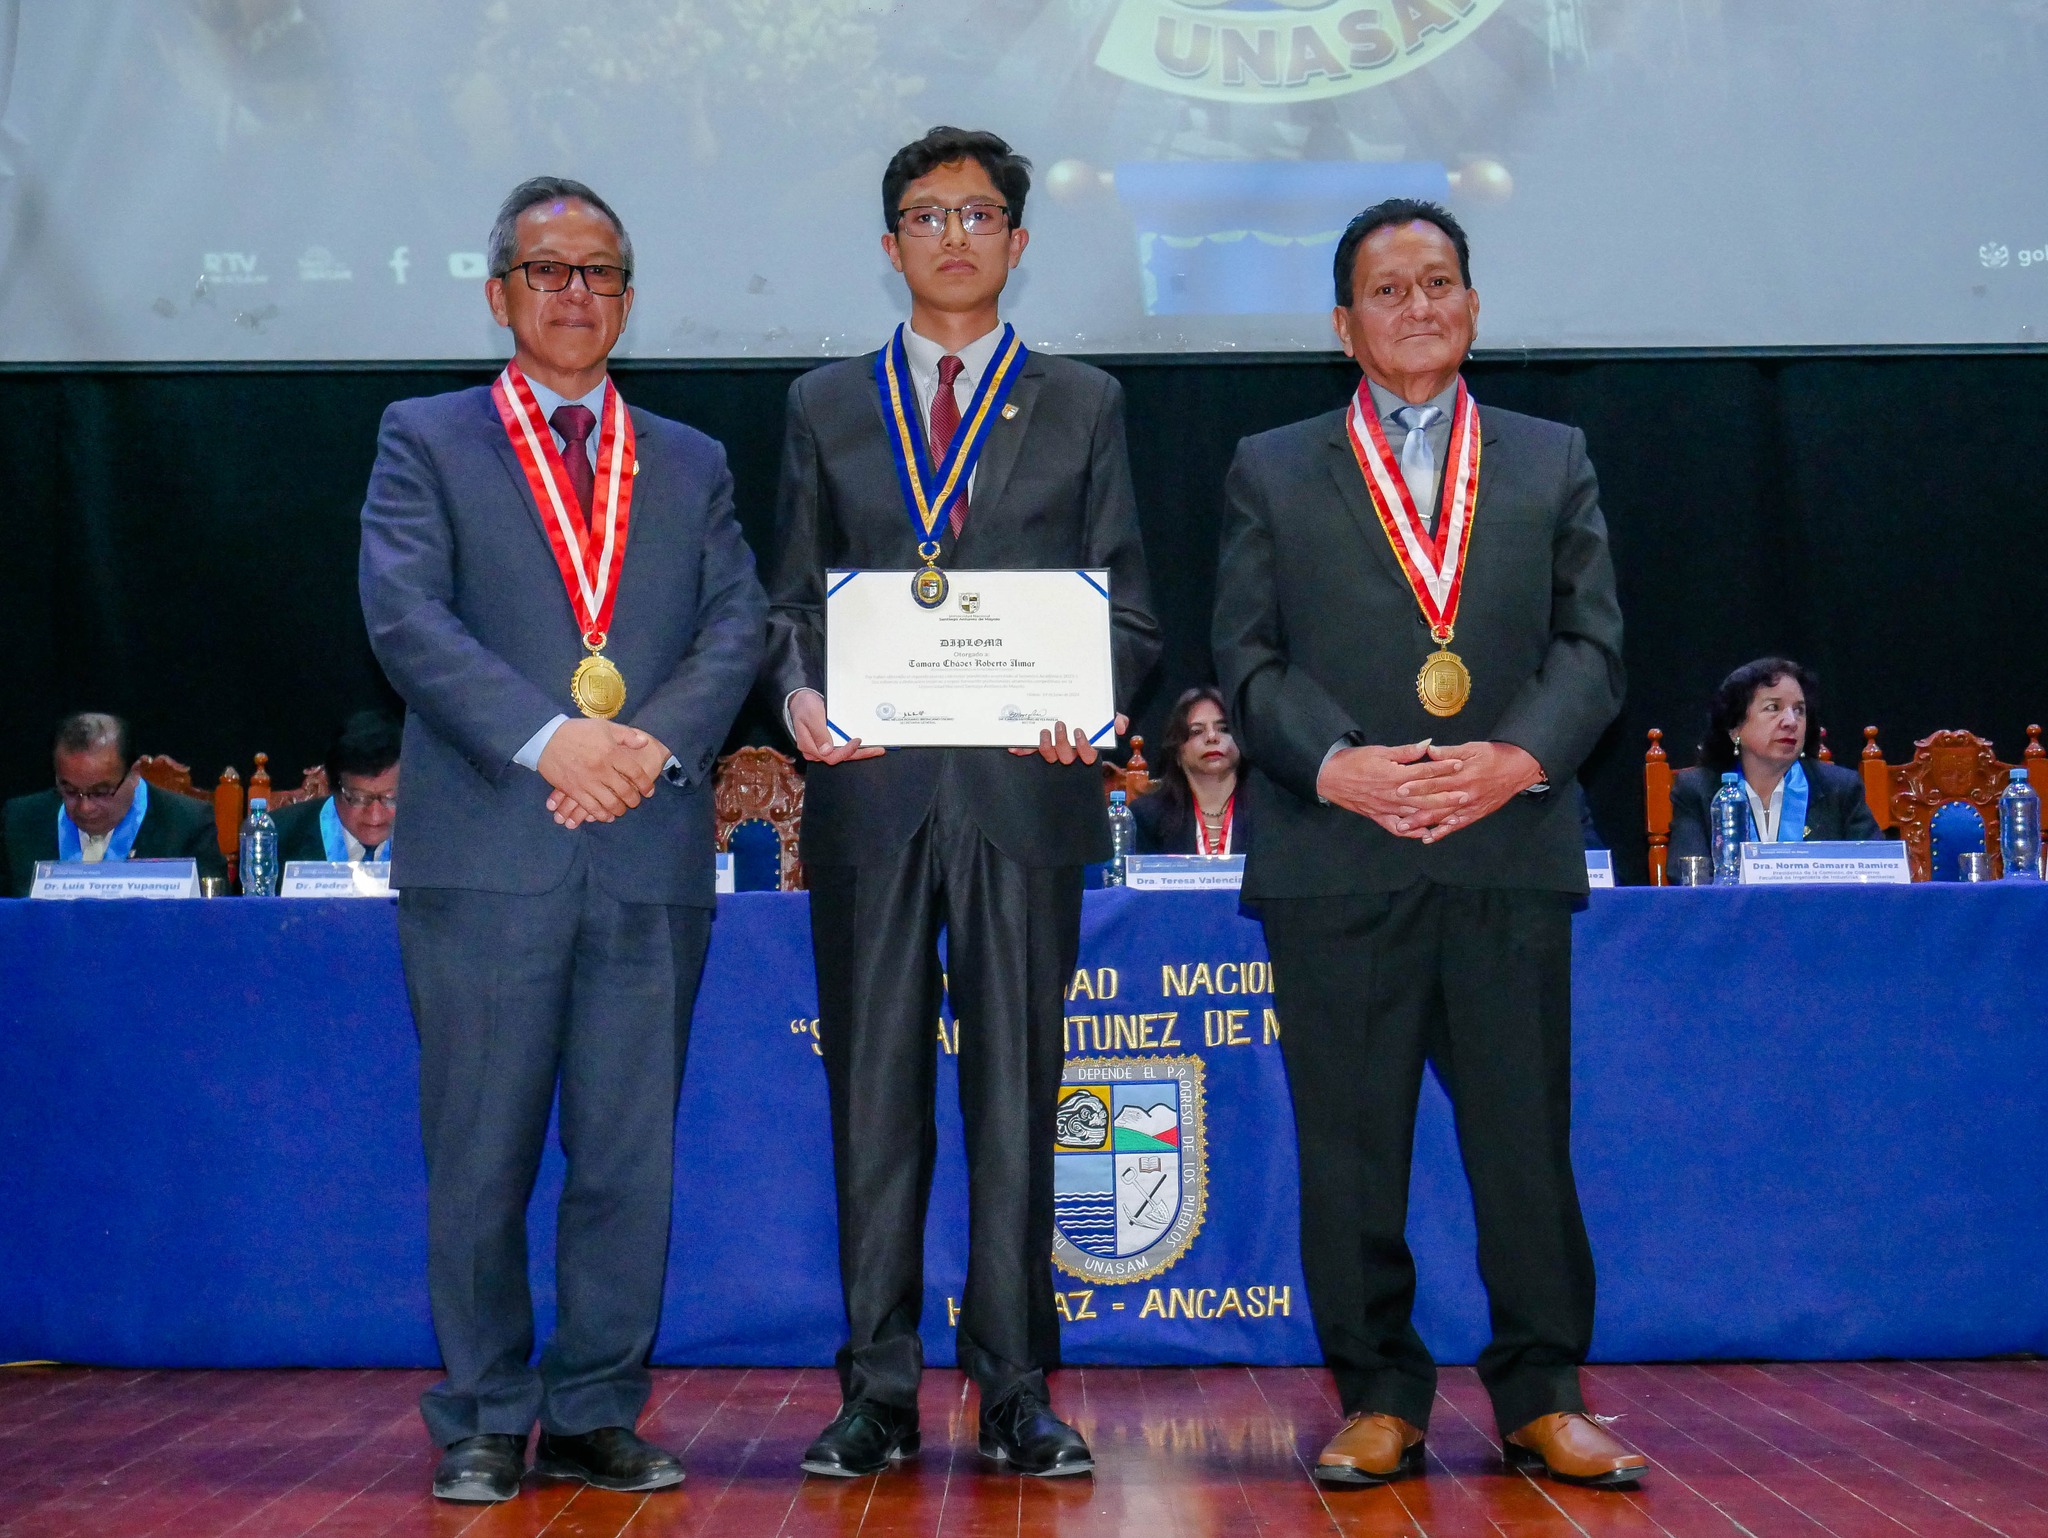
999 453
1357 501
494 425
1488 437
1350 479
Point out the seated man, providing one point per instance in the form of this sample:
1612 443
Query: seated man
355 822
101 809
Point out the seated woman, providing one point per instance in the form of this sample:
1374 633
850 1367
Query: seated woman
1759 724
1196 808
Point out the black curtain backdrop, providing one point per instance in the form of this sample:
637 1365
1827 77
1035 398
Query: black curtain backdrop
180 545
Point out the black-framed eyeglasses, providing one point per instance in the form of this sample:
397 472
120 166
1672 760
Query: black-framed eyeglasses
363 800
928 220
66 791
601 278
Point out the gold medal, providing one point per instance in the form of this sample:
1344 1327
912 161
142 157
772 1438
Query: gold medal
598 687
1444 684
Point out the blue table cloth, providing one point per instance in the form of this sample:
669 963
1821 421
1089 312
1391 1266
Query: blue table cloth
1809 1124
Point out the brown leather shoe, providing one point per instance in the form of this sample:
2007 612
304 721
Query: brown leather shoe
1574 1448
1370 1450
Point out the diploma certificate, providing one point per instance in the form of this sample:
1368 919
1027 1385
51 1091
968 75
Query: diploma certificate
1002 657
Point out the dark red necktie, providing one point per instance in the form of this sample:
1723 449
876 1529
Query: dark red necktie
575 424
945 423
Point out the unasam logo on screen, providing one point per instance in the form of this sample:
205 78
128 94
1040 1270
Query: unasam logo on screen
1281 50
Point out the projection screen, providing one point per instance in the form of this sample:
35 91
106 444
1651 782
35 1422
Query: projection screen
272 180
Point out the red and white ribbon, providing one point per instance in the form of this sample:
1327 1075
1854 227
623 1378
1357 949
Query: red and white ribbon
1435 567
589 551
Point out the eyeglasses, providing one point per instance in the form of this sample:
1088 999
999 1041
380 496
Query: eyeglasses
362 801
601 278
69 792
927 221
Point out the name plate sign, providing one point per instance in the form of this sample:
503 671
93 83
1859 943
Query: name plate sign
1184 872
1880 862
64 880
1599 868
336 878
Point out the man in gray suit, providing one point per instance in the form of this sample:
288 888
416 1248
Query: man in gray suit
531 549
983 843
1417 894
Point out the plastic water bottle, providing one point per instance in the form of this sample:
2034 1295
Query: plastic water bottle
1728 817
259 851
2019 829
1123 838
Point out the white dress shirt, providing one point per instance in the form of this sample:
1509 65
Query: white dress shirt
924 355
1768 812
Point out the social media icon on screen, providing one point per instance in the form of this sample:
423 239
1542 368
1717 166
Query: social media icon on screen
467 264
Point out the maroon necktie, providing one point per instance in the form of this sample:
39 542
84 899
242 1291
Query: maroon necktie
945 423
575 424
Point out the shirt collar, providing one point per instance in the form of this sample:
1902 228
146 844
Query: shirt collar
924 354
120 840
550 401
336 836
1386 402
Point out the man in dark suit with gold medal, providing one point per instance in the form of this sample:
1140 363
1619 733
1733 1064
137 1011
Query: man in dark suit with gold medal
529 549
953 449
1408 569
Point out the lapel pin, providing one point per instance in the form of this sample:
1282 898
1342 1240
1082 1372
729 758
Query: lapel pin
636 467
1010 413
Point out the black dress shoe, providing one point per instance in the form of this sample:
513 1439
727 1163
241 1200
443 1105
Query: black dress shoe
864 1438
611 1457
1024 1436
481 1468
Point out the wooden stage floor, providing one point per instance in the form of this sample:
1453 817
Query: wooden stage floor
1772 1450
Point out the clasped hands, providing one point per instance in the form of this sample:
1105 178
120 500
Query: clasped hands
814 737
1427 790
599 770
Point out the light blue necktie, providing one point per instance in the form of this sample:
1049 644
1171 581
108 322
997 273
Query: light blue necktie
1418 460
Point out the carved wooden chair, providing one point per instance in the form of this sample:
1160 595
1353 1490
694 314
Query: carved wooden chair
1657 807
1133 777
313 785
165 773
1947 770
760 785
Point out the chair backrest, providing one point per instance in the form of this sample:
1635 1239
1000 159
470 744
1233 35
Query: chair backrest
761 785
165 773
1133 776
1947 768
313 785
1953 831
1657 807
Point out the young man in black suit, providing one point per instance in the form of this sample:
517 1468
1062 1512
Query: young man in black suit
986 843
1417 892
100 809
